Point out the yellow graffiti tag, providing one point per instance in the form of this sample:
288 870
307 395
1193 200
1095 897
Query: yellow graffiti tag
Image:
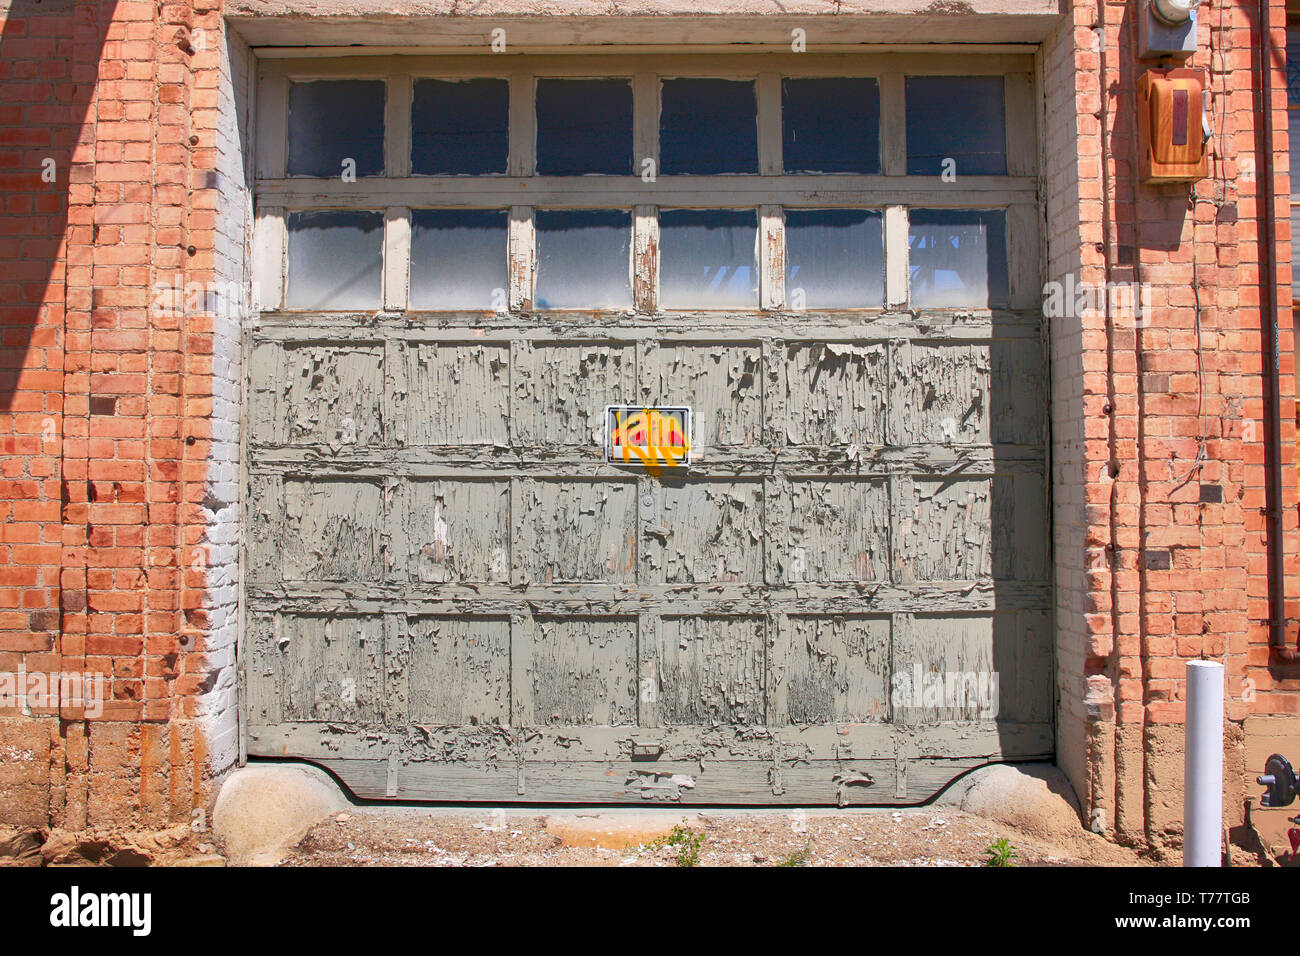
653 437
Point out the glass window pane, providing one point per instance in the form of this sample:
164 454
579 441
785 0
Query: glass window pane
962 118
834 258
707 259
1293 144
335 260
459 259
958 258
1293 69
334 120
460 127
1295 257
708 126
584 126
831 125
584 259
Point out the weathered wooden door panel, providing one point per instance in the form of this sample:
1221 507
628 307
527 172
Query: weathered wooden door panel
450 596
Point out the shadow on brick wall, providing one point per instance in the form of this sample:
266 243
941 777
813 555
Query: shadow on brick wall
49 58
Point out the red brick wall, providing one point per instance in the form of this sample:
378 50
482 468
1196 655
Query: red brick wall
118 421
1152 570
106 420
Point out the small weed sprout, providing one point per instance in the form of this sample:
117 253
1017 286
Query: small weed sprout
684 840
1000 853
798 857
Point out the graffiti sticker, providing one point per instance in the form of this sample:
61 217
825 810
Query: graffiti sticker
653 437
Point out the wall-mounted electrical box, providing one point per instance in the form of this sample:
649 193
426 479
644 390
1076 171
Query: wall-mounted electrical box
1171 132
1167 28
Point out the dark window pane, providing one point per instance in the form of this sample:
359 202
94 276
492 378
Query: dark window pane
460 126
956 117
584 126
458 259
1293 153
1293 70
831 125
708 126
334 120
958 258
707 259
335 260
584 259
834 259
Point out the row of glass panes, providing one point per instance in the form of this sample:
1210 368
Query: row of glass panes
955 125
707 259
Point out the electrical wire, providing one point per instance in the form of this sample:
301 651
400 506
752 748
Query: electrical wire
1220 180
1199 461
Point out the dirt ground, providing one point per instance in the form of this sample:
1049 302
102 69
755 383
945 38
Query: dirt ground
911 837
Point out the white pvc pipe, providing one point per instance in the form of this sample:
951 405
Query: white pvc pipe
1203 754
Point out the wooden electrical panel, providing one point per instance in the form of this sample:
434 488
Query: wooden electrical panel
1170 135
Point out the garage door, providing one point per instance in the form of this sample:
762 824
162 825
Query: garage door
451 594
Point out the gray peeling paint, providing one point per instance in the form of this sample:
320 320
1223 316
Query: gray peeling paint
451 596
